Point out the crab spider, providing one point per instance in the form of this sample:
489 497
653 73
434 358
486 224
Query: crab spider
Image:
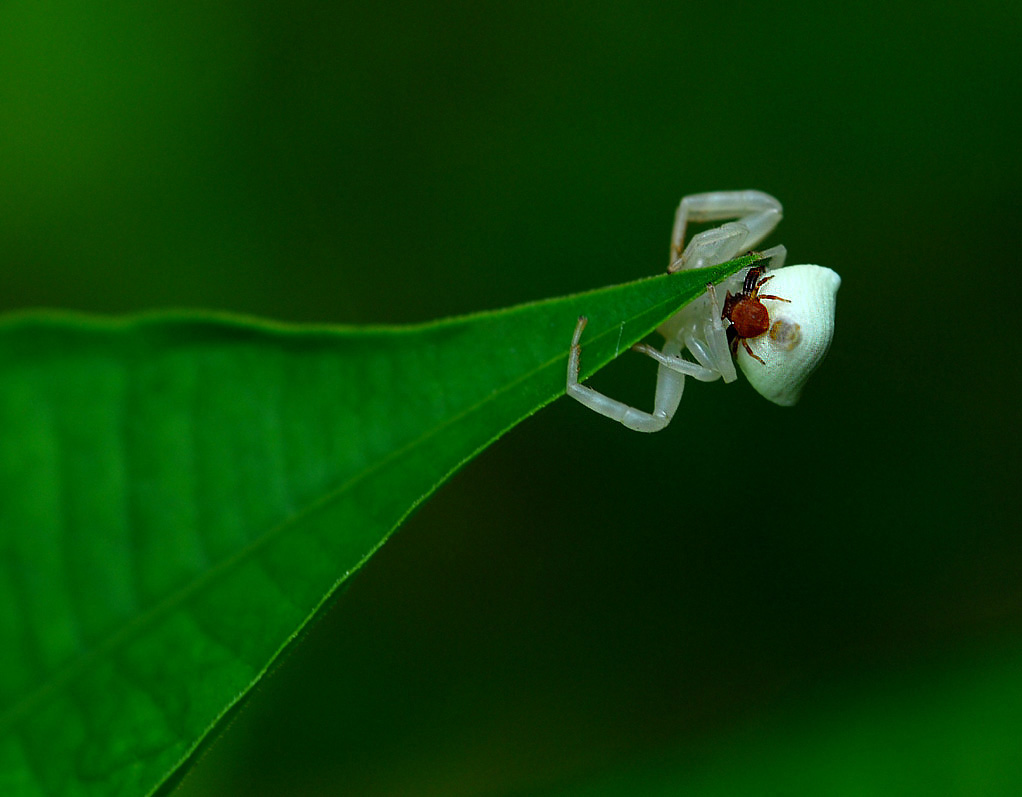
778 338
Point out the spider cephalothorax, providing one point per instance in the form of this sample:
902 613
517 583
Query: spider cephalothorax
748 315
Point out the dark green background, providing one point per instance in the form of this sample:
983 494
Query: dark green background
581 599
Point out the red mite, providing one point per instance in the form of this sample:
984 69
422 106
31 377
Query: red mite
748 317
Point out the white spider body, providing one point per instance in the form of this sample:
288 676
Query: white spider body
800 307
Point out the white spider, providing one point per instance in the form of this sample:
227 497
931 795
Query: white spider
783 335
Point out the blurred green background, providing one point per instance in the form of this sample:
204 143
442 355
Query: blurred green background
828 597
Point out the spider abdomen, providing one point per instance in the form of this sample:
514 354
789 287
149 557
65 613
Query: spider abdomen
779 363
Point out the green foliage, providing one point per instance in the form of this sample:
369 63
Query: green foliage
180 494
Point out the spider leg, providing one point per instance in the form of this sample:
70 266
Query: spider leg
714 353
669 386
775 256
757 215
678 363
745 343
771 296
753 281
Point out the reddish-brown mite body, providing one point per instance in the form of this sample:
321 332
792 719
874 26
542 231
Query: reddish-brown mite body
746 312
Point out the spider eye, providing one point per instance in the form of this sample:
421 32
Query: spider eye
799 336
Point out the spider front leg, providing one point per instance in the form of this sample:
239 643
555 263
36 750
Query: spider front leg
669 385
757 213
701 327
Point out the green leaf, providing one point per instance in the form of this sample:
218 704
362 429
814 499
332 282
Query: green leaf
179 495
